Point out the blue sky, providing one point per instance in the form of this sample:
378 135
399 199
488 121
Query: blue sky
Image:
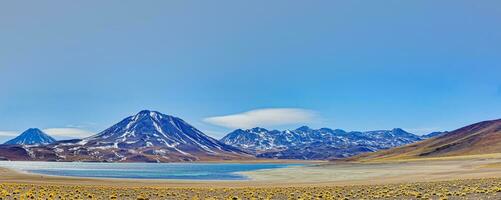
79 67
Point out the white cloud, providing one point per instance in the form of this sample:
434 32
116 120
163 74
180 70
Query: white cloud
68 132
9 133
263 118
81 125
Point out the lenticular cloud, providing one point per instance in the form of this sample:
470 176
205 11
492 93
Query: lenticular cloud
263 117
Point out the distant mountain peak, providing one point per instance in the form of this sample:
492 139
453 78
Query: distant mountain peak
303 128
258 129
400 131
145 111
434 134
147 114
32 136
150 113
339 130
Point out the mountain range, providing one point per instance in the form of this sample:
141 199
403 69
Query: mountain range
307 143
148 136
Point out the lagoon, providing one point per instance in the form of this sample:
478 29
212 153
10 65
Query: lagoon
183 171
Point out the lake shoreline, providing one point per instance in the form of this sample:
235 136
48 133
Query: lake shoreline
199 171
327 174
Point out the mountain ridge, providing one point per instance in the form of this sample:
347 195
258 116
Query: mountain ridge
323 143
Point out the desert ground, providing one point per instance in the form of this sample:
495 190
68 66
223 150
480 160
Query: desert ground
386 172
470 177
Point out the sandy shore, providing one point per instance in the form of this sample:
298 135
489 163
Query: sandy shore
381 173
316 174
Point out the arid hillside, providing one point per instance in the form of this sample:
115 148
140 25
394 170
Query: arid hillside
479 138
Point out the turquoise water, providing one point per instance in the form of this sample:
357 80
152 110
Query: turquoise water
193 171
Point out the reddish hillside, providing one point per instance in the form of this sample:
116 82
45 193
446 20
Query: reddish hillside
480 138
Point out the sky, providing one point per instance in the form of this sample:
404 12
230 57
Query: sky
74 68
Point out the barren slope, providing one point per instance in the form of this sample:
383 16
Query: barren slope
480 138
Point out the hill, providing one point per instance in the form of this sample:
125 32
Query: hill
479 138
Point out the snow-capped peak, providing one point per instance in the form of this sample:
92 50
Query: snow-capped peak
32 136
298 143
154 129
